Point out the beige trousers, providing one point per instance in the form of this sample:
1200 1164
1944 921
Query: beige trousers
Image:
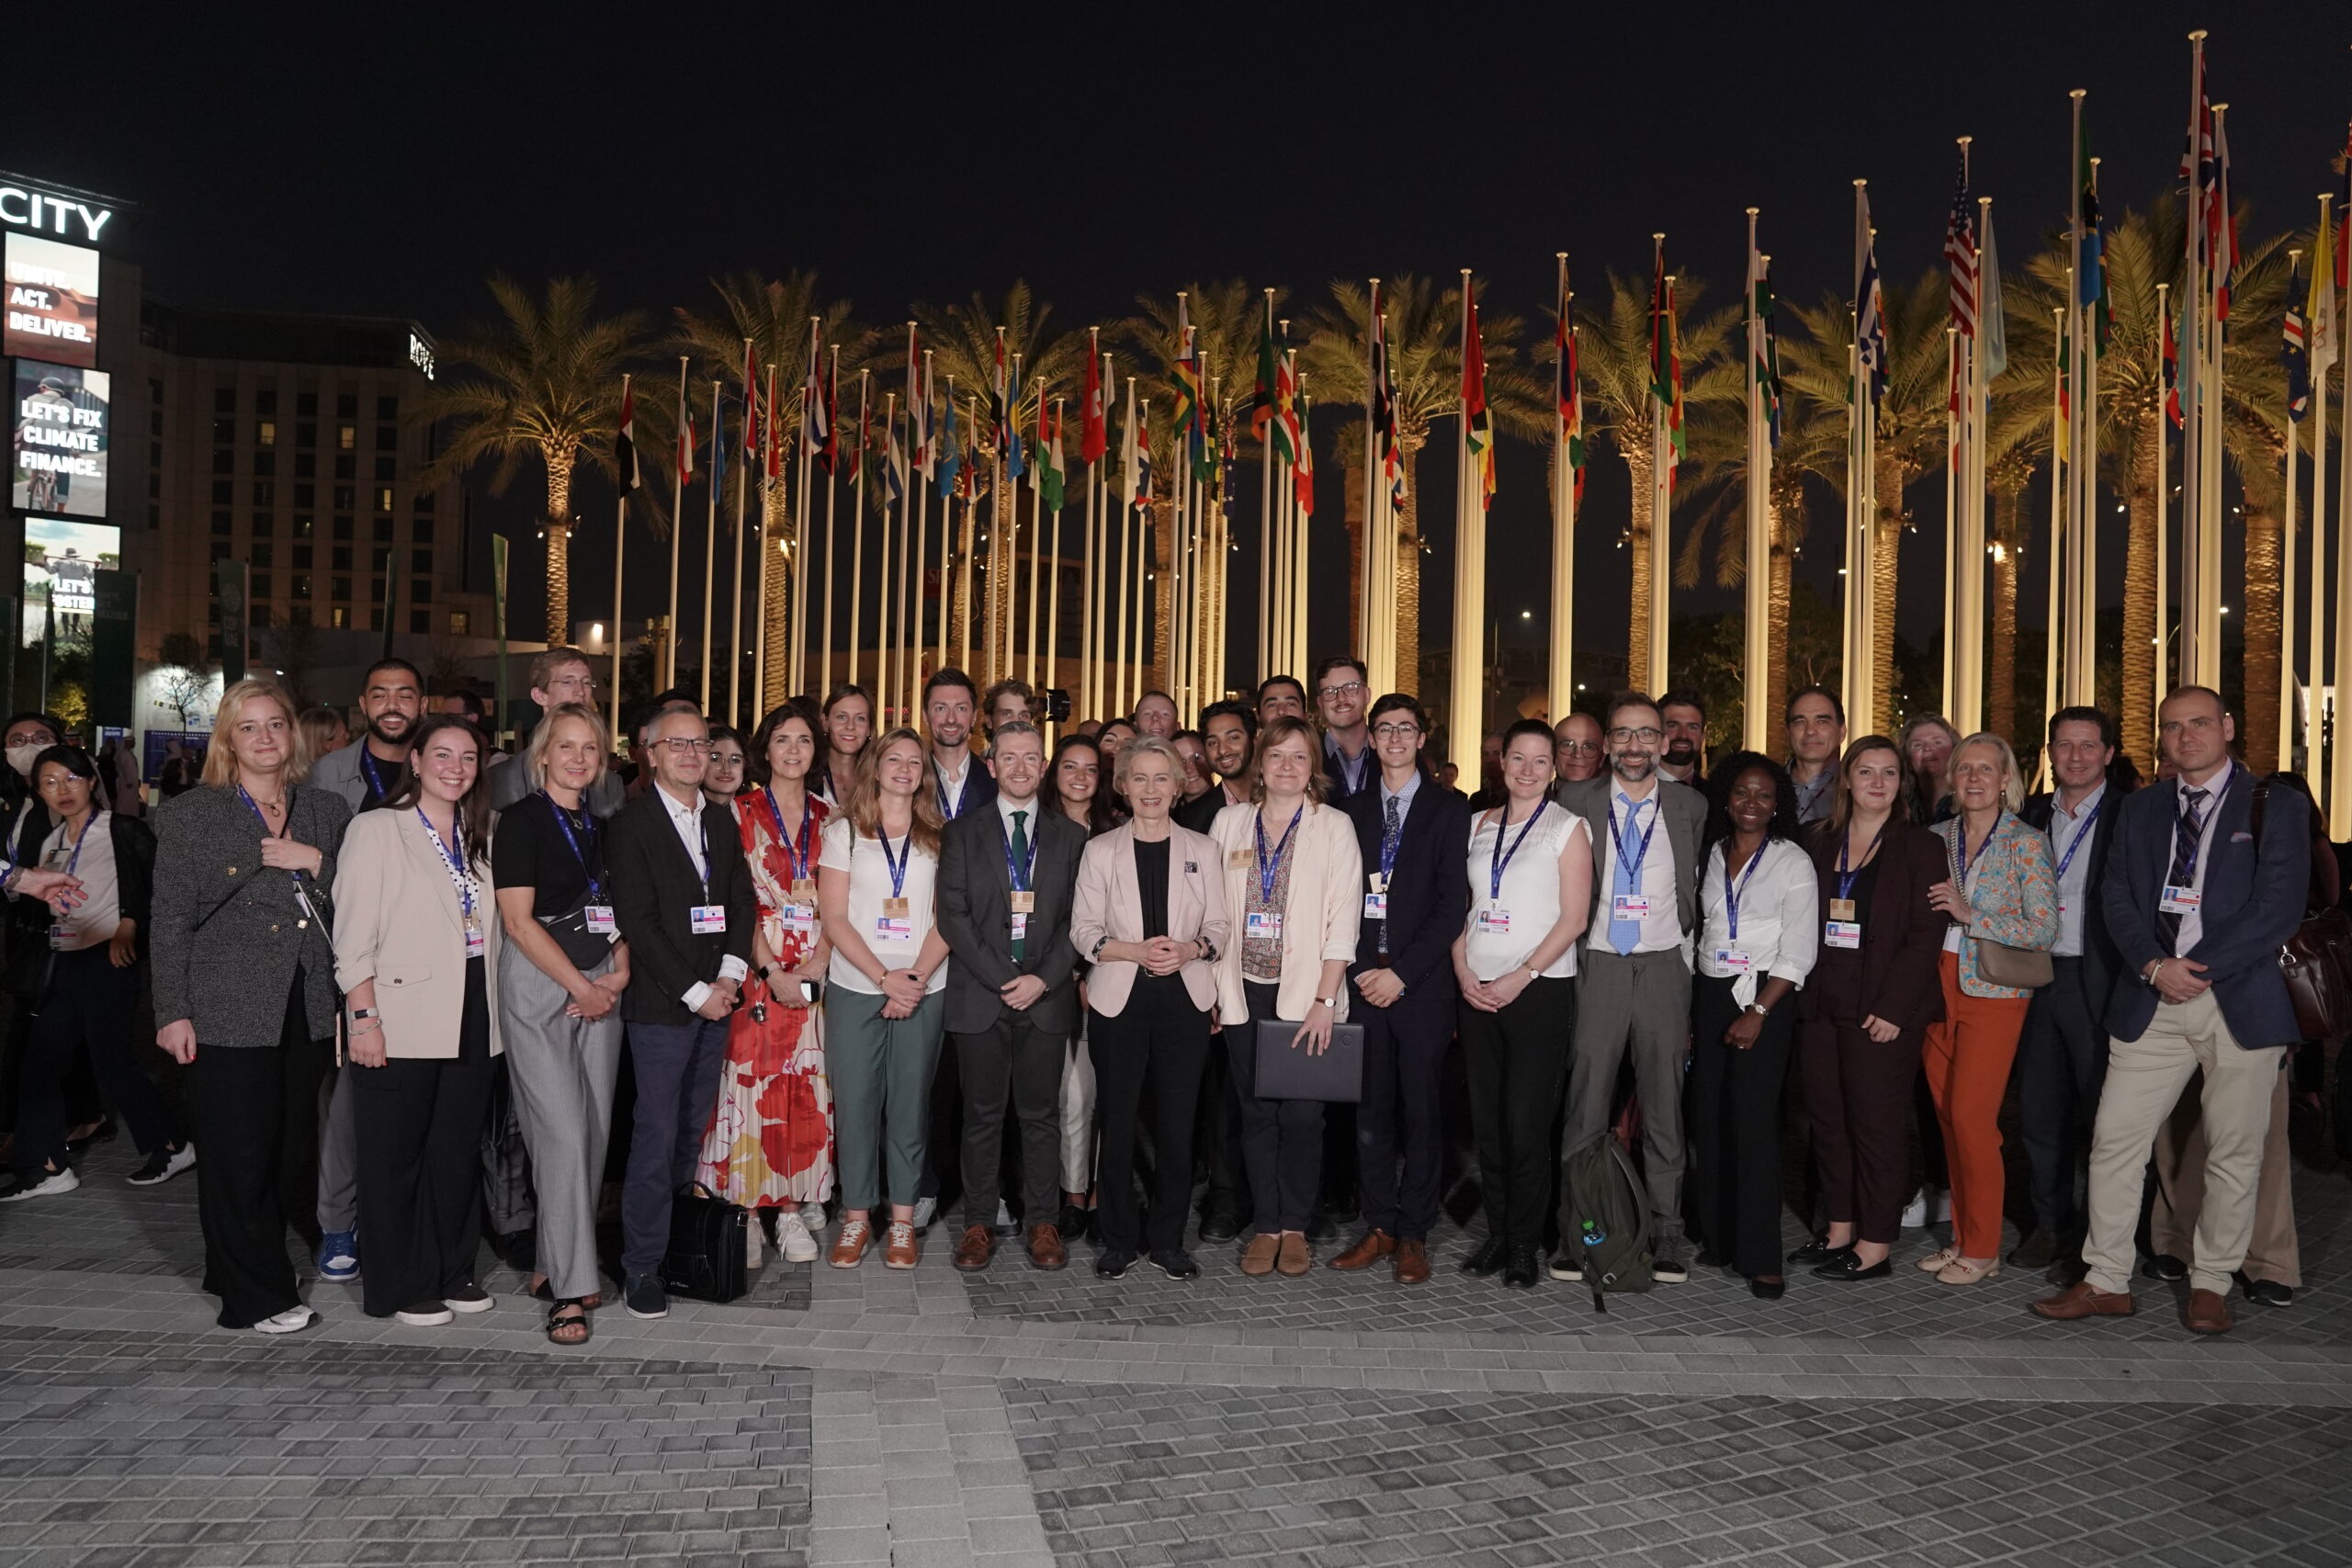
2271 1251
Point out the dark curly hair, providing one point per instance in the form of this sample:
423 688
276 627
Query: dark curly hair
1719 784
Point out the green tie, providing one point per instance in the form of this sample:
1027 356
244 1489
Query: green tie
1020 857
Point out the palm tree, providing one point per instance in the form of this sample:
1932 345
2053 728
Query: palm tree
1910 427
2254 432
547 383
1424 335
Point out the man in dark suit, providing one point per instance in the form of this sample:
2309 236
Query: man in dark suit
2198 909
682 897
1339 696
1006 877
2062 1058
1416 842
950 702
1634 961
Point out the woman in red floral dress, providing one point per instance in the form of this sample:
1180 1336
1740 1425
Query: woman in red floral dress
771 1142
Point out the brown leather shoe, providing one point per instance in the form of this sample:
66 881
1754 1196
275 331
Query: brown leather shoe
2208 1314
898 1250
1295 1258
1258 1257
1412 1262
2082 1300
1045 1250
849 1247
974 1250
1375 1246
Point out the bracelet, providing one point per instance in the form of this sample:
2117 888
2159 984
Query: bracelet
372 1028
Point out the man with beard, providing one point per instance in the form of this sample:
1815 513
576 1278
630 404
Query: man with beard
392 700
1340 696
1227 731
1684 715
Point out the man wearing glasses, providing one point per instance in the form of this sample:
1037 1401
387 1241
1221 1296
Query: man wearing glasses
1634 990
1575 747
1339 698
559 676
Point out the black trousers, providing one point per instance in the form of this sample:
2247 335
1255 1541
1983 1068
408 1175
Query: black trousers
2061 1067
1282 1140
1735 1128
420 1122
256 1120
1400 1118
88 1009
1011 1063
1856 1095
1160 1040
1517 1062
1220 1138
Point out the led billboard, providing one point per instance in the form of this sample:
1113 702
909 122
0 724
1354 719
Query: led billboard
52 300
59 440
62 563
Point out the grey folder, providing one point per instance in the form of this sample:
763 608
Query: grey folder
1285 1073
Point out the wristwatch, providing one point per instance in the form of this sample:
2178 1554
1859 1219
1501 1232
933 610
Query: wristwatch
1332 1002
1533 973
1760 1009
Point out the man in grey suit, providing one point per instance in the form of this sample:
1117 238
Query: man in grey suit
560 675
392 698
1007 874
1634 961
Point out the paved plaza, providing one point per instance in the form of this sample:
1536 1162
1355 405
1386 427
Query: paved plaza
1017 1419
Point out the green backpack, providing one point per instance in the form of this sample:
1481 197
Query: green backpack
1605 1217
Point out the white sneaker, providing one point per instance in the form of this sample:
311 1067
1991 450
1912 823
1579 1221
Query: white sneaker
793 1240
812 1215
426 1315
293 1320
56 1184
1941 1208
926 1209
1914 1212
751 1253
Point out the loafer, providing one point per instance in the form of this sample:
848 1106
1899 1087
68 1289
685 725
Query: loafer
2269 1292
899 1246
425 1315
1817 1250
1295 1258
2166 1266
1375 1246
1176 1263
1519 1273
2208 1313
974 1249
1046 1248
1258 1257
1487 1257
1968 1270
468 1298
1846 1266
849 1247
1767 1290
1322 1227
1935 1262
1412 1262
1112 1263
2082 1298
1073 1223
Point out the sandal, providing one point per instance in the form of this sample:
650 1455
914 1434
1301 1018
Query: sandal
568 1323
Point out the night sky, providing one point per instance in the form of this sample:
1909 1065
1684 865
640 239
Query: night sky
364 161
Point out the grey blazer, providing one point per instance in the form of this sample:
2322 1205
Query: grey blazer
976 919
339 771
1685 811
227 931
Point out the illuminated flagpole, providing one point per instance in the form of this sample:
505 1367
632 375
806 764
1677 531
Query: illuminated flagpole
735 545
1266 566
1979 413
833 534
1661 498
2060 472
967 601
1036 537
946 533
857 537
1756 724
681 464
2327 329
1367 603
620 556
1054 589
2287 557
1302 522
2163 542
771 479
2192 377
2340 799
892 459
711 530
1125 511
1951 527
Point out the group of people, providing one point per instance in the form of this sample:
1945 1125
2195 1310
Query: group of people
831 975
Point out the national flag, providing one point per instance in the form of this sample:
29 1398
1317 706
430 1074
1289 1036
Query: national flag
1870 305
1763 347
1284 431
2343 244
2295 350
685 433
2197 162
1206 450
1189 426
1960 261
1384 409
2171 353
895 472
1567 392
1264 395
2090 276
816 433
1678 435
950 463
830 454
2319 304
1094 436
1053 473
1004 418
624 440
2222 230
717 444
1477 420
1996 335
752 426
1227 468
919 454
1134 454
773 443
1302 471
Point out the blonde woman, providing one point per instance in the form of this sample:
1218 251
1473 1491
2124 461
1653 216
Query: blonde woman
2001 888
245 993
1293 881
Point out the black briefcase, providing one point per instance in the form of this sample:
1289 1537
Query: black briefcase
707 1242
1288 1073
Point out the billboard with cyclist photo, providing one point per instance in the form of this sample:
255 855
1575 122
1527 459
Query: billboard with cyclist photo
52 300
59 440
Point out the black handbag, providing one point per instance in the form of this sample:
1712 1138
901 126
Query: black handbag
2316 961
1286 1073
707 1241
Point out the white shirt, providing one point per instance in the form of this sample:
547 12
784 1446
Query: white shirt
1531 892
1780 917
1662 926
686 820
2192 924
950 787
93 921
2070 832
861 855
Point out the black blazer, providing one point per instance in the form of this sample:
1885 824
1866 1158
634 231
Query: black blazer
1335 778
979 785
2101 960
654 892
1902 942
976 919
1428 889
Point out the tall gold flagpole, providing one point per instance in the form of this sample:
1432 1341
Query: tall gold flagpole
710 535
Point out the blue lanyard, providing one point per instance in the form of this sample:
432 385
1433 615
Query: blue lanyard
2081 833
1499 861
1731 893
75 859
457 861
1846 879
1633 862
374 778
796 850
1013 868
1960 848
898 867
563 820
1270 869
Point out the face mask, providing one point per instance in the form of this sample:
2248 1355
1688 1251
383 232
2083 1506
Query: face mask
20 757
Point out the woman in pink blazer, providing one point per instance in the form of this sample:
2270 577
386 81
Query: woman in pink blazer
1150 916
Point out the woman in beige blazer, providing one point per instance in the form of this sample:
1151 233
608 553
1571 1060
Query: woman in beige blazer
1293 878
415 935
1149 915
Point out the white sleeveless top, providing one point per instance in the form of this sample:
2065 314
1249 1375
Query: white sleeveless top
1503 933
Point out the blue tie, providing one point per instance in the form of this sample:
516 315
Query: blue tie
1626 935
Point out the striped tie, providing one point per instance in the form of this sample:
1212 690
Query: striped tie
2187 829
1388 832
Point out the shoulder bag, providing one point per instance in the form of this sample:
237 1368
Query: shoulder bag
2018 968
2316 961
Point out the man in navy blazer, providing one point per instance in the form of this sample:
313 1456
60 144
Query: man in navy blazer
1415 842
2197 909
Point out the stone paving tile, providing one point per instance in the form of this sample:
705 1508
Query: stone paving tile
1131 1474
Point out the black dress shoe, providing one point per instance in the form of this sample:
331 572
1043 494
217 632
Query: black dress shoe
1818 1250
2039 1250
2166 1266
1519 1275
1112 1263
1074 1220
1220 1225
1707 1258
1491 1255
2269 1292
1843 1264
1768 1289
1322 1227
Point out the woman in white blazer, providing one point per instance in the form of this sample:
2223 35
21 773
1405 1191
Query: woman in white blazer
1293 881
1149 915
416 933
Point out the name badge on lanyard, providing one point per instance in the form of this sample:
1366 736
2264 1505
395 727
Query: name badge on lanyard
1494 920
709 920
601 921
2181 901
1842 933
1634 906
1266 925
1733 959
60 933
896 922
598 913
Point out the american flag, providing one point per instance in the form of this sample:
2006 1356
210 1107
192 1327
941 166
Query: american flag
1960 255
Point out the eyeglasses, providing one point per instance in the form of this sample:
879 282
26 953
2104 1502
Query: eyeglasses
685 747
1394 731
1644 736
1353 688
